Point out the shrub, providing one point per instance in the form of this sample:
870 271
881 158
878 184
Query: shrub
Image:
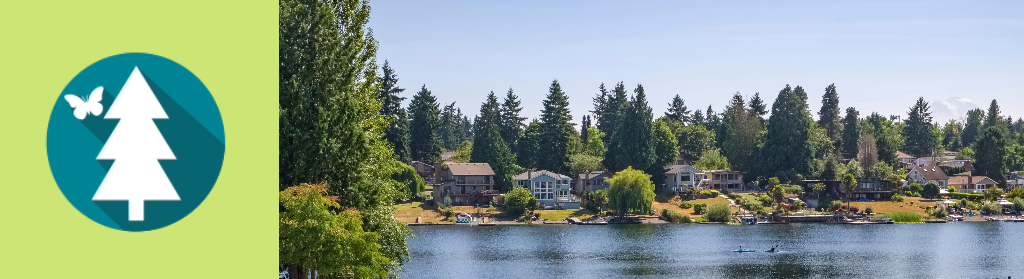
868 210
930 190
1015 193
896 198
793 189
835 205
675 200
991 208
939 212
993 193
824 203
700 208
904 217
971 197
519 201
672 216
851 208
718 213
686 219
685 205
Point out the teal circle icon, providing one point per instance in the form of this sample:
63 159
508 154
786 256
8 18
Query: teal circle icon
135 142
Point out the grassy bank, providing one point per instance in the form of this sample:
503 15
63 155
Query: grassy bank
675 206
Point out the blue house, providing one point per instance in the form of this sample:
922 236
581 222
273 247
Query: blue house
550 189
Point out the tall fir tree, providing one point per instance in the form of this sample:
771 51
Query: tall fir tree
677 110
787 148
990 153
331 130
887 138
556 131
993 119
919 132
631 145
584 130
828 116
490 148
851 134
425 143
450 130
511 124
743 133
529 145
757 105
397 132
698 118
615 107
972 127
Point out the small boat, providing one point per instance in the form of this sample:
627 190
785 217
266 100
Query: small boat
743 251
770 251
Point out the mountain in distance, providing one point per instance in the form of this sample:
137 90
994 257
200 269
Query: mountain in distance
952 108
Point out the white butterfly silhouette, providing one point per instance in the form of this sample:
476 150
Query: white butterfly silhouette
85 106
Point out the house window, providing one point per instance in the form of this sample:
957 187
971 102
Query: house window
684 177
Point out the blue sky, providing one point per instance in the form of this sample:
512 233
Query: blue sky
881 55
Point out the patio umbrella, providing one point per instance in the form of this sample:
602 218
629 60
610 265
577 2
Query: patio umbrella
947 202
1004 203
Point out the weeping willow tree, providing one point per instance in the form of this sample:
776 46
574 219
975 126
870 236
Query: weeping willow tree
631 191
331 132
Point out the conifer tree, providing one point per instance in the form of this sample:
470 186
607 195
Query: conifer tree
743 133
490 148
511 124
990 154
920 134
631 145
851 133
972 127
556 131
529 145
757 105
425 143
787 148
391 105
994 119
677 110
828 116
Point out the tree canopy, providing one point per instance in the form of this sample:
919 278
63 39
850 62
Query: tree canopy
787 148
555 131
490 148
631 191
632 144
425 143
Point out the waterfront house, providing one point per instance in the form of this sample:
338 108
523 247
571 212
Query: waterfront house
971 184
906 161
682 177
924 174
549 188
871 188
594 181
725 180
465 183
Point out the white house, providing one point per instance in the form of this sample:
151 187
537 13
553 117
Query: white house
681 177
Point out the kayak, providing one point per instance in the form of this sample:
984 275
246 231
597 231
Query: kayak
741 251
770 251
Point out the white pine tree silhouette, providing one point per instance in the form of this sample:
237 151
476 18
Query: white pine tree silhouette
135 145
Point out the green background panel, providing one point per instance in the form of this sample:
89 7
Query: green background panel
231 47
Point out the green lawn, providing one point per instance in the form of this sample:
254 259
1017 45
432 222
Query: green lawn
559 215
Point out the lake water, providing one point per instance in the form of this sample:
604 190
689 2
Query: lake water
955 250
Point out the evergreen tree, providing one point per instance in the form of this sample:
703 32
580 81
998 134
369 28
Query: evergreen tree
511 124
920 137
425 143
529 145
331 130
450 130
851 133
490 148
972 127
391 106
631 145
990 154
584 130
712 120
787 148
828 116
556 131
757 105
666 148
677 110
994 119
743 133
698 117
693 141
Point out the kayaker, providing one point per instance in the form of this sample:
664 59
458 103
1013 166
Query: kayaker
773 248
741 247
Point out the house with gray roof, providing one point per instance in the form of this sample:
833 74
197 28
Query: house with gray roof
465 183
550 189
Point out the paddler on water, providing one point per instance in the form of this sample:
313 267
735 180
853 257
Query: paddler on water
773 248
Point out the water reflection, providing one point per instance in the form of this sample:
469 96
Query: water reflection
702 251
